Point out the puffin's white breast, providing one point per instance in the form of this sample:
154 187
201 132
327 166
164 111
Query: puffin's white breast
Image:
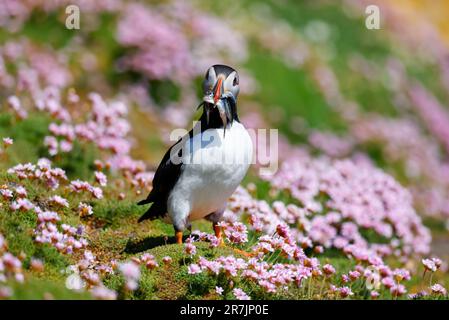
213 168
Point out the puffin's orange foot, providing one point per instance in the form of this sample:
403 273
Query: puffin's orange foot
178 237
218 234
244 253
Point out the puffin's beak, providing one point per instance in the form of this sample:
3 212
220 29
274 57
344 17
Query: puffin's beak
217 92
213 100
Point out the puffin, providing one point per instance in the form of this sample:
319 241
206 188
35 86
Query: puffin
199 173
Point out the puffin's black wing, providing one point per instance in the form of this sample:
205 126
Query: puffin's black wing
167 174
165 178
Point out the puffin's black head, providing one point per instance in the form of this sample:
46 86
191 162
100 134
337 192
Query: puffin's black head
221 88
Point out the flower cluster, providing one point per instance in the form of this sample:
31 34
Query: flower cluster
131 273
165 50
357 197
83 186
42 171
10 268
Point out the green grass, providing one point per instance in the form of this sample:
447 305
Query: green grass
294 92
28 136
36 288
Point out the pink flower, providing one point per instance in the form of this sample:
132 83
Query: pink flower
131 272
374 294
149 261
21 192
48 216
354 275
79 186
2 243
345 292
240 294
398 290
5 292
438 289
52 144
103 293
6 193
167 259
429 265
401 274
219 290
190 249
235 232
59 201
418 295
282 230
22 205
328 269
194 269
37 265
388 282
101 178
84 209
7 142
96 193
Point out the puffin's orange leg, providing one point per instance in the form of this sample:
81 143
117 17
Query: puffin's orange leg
217 230
218 234
178 237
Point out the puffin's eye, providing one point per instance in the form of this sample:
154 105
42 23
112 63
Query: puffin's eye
235 82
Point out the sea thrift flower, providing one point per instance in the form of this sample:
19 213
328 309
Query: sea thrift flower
80 186
16 106
318 249
52 144
7 142
99 165
354 275
401 274
149 261
194 269
190 249
22 205
21 192
328 269
374 294
101 178
131 272
398 290
240 294
167 259
388 282
84 209
429 265
438 289
6 193
219 290
59 201
103 293
5 292
235 232
418 295
2 243
37 265
345 292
